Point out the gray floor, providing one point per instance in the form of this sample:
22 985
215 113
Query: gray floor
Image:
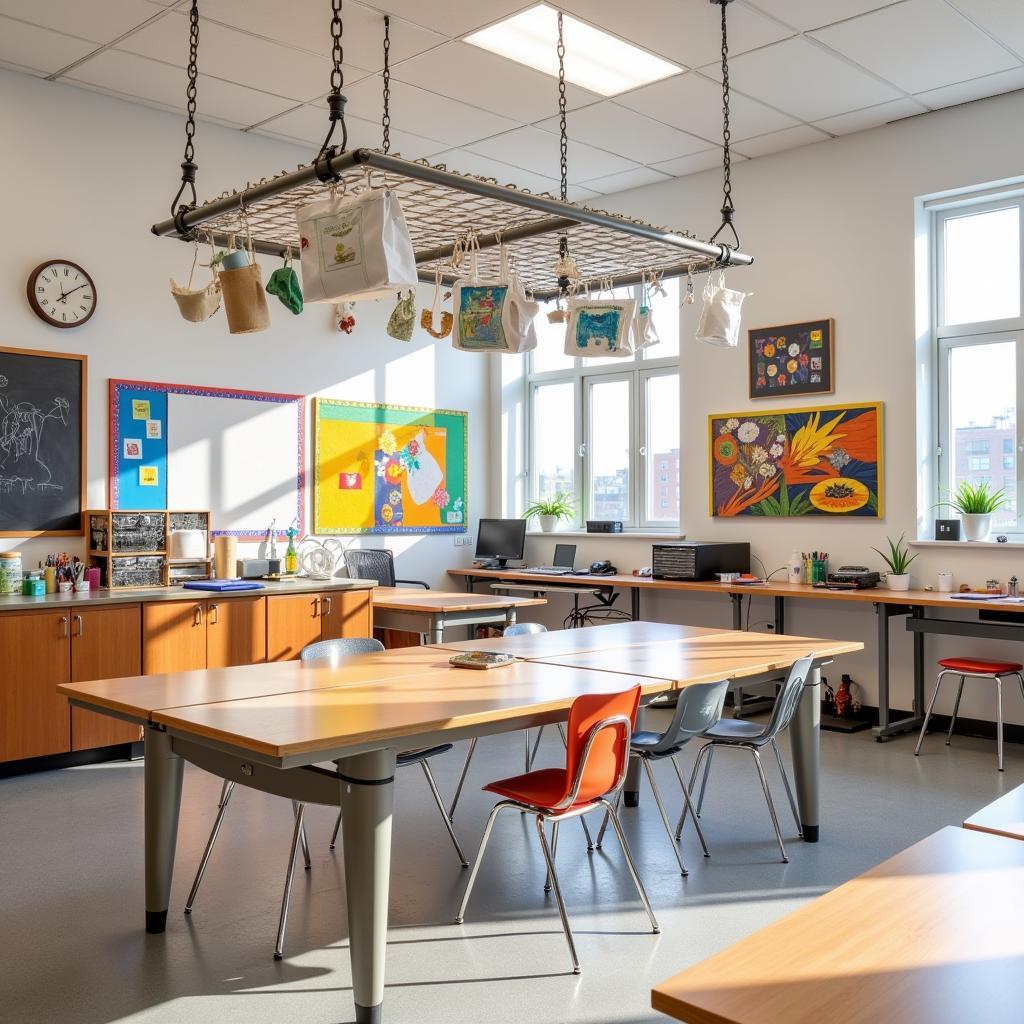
71 892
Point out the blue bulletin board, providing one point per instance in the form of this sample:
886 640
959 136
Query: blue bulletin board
134 410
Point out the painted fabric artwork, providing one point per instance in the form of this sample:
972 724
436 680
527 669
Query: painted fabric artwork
798 462
600 327
793 360
480 309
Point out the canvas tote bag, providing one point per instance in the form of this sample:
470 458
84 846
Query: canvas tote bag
600 327
245 301
197 305
355 247
720 318
493 315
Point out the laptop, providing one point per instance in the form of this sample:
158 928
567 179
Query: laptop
564 561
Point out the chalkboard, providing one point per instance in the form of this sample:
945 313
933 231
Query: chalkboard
42 442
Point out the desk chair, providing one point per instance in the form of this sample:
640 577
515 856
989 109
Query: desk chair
597 756
698 709
376 564
733 732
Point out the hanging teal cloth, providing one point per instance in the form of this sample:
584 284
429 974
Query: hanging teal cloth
285 285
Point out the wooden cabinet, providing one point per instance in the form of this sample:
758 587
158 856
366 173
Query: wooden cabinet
295 620
236 631
36 658
174 636
346 613
106 643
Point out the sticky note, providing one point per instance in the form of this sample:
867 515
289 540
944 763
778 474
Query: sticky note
133 448
154 429
140 408
149 476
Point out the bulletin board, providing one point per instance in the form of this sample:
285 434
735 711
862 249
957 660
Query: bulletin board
388 469
240 454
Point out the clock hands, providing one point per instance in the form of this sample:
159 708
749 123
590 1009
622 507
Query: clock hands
64 295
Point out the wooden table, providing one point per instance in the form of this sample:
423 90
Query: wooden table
930 936
1002 817
430 612
270 726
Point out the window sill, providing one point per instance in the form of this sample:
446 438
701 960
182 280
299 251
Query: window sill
625 535
967 545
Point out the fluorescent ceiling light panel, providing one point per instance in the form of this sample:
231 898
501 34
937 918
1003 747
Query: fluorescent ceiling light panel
594 59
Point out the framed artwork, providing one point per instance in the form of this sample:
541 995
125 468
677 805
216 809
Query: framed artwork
824 461
42 443
798 359
388 469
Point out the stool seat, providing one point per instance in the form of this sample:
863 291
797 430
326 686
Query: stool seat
988 668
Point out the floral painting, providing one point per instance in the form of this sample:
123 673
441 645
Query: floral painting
825 461
797 359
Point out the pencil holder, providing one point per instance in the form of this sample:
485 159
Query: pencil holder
819 570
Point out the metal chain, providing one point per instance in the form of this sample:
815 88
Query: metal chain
337 49
335 98
385 121
728 209
563 139
188 164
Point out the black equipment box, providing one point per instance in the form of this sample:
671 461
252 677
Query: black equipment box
698 560
604 526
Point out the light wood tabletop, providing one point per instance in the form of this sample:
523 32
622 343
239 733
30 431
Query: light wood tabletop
930 936
415 599
1002 817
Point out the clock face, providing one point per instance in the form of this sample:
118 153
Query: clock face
61 293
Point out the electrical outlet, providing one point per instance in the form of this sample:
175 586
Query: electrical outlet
463 540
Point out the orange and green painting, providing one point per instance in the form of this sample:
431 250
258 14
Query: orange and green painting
825 461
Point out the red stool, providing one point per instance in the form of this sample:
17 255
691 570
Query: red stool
981 669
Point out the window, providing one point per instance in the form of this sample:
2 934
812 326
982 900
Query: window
607 430
979 346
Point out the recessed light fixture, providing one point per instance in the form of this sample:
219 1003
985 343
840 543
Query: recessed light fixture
594 59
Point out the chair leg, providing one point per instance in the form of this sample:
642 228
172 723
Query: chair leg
479 857
526 756
688 803
646 761
789 790
549 857
928 713
226 790
610 810
334 834
770 802
462 777
554 854
704 751
704 780
956 710
286 900
561 732
536 747
604 822
302 836
999 721
444 814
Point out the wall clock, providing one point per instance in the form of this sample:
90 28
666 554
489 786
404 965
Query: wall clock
61 293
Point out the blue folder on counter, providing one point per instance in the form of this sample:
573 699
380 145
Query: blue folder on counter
220 586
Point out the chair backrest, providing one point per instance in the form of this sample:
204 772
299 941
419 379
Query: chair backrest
600 759
698 708
338 650
524 629
371 564
789 697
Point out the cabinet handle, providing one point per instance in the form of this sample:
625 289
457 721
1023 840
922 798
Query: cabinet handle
79 626
197 615
316 607
328 605
63 625
214 608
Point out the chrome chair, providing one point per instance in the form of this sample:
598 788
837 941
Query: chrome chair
698 709
376 564
733 732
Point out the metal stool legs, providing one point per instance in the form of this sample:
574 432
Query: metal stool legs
956 710
931 705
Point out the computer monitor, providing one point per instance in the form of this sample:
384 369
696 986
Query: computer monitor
501 539
565 556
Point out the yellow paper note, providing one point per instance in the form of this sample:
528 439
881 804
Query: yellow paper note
140 408
149 476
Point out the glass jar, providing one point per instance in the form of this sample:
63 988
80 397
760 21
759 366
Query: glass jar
10 572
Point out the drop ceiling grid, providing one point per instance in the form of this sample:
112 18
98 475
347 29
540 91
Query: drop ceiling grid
867 85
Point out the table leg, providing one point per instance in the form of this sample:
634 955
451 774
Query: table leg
510 616
367 797
780 616
437 629
631 787
805 742
163 774
634 604
883 672
918 612
737 611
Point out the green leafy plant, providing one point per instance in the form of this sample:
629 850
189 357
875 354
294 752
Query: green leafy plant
562 506
974 499
897 559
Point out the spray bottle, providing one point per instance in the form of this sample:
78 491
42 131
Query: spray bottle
291 556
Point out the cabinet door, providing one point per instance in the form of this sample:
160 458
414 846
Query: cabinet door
293 620
106 643
236 631
345 613
35 659
173 636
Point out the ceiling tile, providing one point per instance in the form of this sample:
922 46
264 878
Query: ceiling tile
804 79
1004 19
694 104
636 178
537 151
99 23
870 117
492 82
453 122
580 194
703 161
918 45
454 17
149 80
776 142
464 162
38 49
685 31
609 126
976 89
809 14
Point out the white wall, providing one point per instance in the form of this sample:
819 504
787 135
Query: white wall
832 228
84 176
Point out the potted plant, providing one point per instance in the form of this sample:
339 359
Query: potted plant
975 503
550 510
898 560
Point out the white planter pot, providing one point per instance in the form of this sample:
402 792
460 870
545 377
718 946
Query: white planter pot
977 527
900 582
548 523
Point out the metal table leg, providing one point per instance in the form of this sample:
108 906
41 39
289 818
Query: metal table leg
437 629
163 802
367 797
886 727
737 611
805 742
631 787
780 616
634 603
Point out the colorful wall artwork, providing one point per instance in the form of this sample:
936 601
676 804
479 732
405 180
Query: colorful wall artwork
825 461
480 317
388 469
798 359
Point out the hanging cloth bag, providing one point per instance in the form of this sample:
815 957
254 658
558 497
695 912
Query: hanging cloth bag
495 315
428 317
355 247
600 327
645 334
403 317
199 304
720 318
284 283
245 301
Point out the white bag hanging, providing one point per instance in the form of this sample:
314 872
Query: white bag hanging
355 247
720 318
645 334
600 327
495 315
197 305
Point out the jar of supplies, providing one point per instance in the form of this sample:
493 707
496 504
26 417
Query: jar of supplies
10 572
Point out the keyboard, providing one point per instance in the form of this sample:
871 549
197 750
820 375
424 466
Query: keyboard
551 570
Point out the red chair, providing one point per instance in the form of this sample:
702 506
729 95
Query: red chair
596 759
977 668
